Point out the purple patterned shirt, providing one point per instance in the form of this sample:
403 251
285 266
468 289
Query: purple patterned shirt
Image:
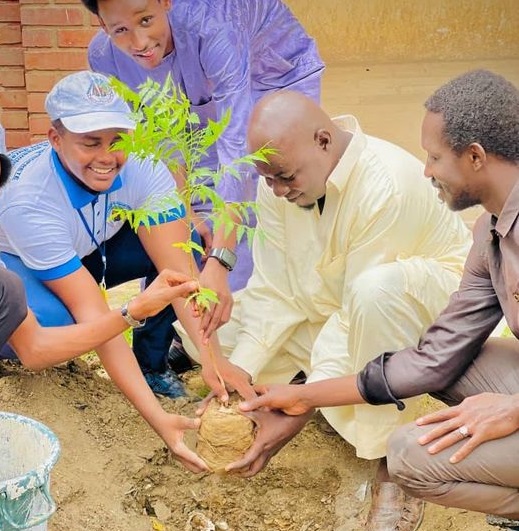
227 55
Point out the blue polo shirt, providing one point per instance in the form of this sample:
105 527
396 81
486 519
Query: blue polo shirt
51 222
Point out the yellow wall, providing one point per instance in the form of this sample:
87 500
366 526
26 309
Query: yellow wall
411 30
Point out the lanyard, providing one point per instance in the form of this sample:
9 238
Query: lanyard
100 247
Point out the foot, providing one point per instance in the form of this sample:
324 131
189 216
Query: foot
165 383
392 509
178 359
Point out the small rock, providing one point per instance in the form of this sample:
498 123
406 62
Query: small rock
162 511
199 522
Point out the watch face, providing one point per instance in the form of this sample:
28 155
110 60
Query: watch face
129 319
229 257
225 256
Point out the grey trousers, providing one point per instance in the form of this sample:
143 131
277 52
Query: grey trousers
488 479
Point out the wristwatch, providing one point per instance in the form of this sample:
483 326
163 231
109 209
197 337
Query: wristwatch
225 256
129 319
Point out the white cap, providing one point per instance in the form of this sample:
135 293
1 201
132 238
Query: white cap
85 101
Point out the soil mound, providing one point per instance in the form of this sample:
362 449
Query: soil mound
225 434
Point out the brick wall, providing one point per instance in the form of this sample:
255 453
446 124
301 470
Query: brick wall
43 40
40 42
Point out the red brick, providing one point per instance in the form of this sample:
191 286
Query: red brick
15 119
39 124
36 102
12 77
11 56
10 12
52 16
38 138
94 21
38 37
13 99
15 139
58 60
79 38
10 34
42 81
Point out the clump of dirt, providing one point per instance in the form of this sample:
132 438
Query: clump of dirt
225 434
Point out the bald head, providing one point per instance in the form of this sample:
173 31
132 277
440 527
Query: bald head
307 145
283 118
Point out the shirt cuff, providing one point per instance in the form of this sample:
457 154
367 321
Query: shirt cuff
373 385
60 271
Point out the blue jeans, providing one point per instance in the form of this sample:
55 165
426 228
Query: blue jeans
126 260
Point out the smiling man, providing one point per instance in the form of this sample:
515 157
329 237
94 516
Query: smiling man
359 256
56 232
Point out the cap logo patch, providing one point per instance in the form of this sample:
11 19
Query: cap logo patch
101 92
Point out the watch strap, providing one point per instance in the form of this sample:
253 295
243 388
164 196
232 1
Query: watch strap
129 319
225 256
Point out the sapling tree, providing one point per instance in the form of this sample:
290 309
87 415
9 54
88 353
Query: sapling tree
168 131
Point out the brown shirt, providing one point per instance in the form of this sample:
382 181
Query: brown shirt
489 288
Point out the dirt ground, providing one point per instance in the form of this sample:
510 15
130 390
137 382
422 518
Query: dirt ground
114 473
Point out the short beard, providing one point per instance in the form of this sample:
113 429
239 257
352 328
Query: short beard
462 202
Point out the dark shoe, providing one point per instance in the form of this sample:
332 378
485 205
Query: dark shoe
165 384
503 523
393 510
178 359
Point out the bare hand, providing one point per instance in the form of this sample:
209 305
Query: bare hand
215 277
286 398
172 431
486 416
274 430
167 286
235 378
202 405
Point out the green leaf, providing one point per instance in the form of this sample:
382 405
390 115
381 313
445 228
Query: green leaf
185 246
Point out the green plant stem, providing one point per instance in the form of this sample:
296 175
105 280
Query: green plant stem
212 357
